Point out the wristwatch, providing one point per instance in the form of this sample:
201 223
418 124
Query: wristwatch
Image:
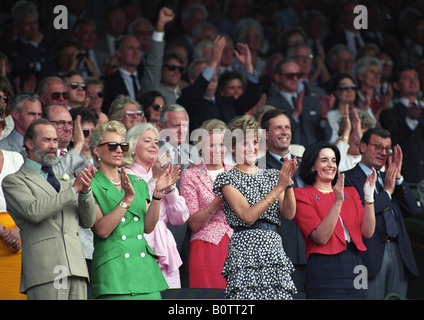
123 205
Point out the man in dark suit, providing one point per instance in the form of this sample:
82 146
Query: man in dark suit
389 258
126 80
304 111
405 121
278 136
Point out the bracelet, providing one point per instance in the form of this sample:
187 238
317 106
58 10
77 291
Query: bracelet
123 205
267 201
158 199
275 199
371 202
210 210
290 186
169 191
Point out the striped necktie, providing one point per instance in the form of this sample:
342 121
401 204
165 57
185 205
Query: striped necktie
51 178
392 228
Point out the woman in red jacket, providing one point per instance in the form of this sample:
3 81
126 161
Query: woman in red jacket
332 221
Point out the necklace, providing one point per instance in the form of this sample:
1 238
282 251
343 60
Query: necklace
116 183
245 172
324 191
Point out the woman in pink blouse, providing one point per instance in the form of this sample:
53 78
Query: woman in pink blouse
211 232
142 160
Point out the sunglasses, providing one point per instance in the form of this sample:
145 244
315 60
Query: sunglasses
173 67
113 146
345 87
100 94
133 114
56 95
157 107
74 85
4 97
86 132
292 76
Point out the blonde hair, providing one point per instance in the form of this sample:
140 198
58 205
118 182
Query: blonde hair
132 137
99 131
239 128
116 107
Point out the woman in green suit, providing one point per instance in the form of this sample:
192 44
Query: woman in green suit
123 266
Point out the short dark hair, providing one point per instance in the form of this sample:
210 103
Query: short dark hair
270 114
309 158
383 133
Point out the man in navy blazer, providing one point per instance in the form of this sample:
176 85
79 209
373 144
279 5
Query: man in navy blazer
389 258
277 124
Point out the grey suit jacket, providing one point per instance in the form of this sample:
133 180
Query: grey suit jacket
48 223
11 144
153 72
71 163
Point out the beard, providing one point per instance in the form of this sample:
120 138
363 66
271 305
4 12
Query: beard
43 158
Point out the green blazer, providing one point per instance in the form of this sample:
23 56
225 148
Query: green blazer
124 263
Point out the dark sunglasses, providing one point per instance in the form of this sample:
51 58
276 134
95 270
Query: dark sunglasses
4 97
292 76
345 87
74 85
56 95
86 132
100 94
113 146
157 107
173 67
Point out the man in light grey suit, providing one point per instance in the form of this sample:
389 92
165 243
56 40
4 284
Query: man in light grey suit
70 162
48 211
25 108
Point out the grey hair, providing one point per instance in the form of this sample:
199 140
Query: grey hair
18 100
23 9
120 102
364 63
243 25
290 51
132 137
173 107
43 84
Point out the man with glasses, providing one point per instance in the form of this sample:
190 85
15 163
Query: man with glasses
72 161
304 111
53 90
389 258
25 108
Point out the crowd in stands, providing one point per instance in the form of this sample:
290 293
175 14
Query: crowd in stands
127 70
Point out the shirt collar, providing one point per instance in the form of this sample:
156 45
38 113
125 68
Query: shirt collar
34 165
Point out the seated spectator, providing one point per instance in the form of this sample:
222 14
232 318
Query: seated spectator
343 92
368 71
94 100
142 160
24 108
127 111
77 89
210 230
6 95
53 90
153 103
67 56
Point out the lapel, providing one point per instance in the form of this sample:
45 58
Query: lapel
38 179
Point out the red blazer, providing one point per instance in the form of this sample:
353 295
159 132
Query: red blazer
311 208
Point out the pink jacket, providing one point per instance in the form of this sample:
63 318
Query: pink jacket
196 187
173 209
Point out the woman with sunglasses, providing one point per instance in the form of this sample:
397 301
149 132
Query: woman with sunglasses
127 111
142 160
6 95
342 93
94 98
124 266
153 103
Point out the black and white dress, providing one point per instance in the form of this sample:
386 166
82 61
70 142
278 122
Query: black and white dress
257 266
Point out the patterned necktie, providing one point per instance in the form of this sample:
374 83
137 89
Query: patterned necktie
392 228
51 178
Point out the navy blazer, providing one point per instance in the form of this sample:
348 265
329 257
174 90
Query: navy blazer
403 204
